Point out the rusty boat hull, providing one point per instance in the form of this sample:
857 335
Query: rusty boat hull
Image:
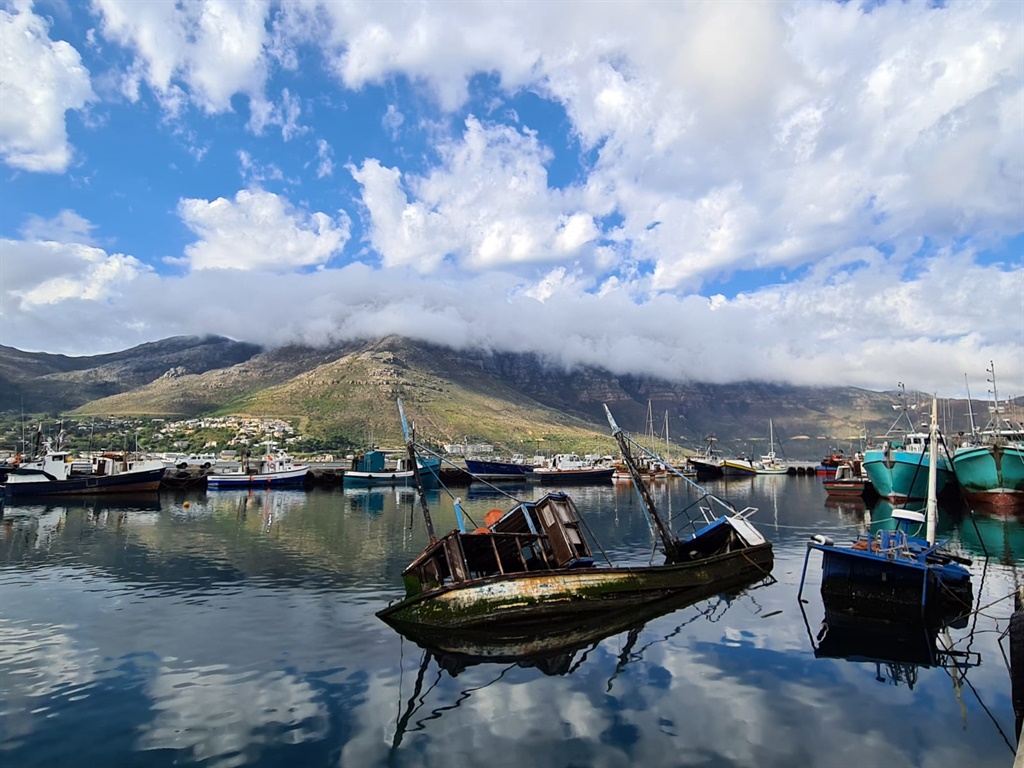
538 598
514 641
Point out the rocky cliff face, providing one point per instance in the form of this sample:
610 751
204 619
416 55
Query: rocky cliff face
59 383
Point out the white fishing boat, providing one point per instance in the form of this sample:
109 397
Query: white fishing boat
53 471
275 468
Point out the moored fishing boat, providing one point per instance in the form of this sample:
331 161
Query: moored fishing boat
829 464
373 468
53 471
738 466
990 467
770 464
707 464
275 468
849 481
494 469
571 469
534 565
898 470
897 572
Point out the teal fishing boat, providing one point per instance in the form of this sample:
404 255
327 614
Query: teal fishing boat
898 470
373 468
990 467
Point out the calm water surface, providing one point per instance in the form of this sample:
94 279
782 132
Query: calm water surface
231 628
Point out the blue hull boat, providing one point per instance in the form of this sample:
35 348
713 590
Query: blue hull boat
897 573
497 469
894 574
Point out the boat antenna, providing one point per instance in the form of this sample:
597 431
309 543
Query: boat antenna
667 539
933 458
410 446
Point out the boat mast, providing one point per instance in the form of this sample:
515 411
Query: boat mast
970 409
668 447
933 458
667 540
410 447
997 420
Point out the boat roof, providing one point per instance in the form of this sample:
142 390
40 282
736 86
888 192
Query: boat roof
908 515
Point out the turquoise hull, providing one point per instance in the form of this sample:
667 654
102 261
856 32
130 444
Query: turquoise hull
900 475
991 474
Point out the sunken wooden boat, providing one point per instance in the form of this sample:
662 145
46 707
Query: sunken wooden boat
533 565
564 634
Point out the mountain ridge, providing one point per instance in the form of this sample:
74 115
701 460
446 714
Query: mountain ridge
345 394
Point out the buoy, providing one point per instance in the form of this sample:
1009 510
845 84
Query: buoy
186 505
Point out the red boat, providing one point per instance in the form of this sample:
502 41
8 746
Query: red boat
830 463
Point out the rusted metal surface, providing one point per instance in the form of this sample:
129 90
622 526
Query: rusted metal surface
543 596
513 641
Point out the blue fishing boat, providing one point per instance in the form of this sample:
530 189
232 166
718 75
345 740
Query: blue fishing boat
492 469
896 571
898 470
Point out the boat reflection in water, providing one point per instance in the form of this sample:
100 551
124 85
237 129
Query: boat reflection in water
560 648
371 500
896 648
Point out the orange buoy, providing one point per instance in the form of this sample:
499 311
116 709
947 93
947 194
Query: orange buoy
186 505
493 516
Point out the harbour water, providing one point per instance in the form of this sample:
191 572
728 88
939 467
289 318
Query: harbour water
231 628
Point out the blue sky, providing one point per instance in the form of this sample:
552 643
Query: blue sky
809 192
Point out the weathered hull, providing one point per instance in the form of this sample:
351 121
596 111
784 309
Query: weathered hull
991 474
847 489
540 597
514 642
145 481
290 477
874 585
902 475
